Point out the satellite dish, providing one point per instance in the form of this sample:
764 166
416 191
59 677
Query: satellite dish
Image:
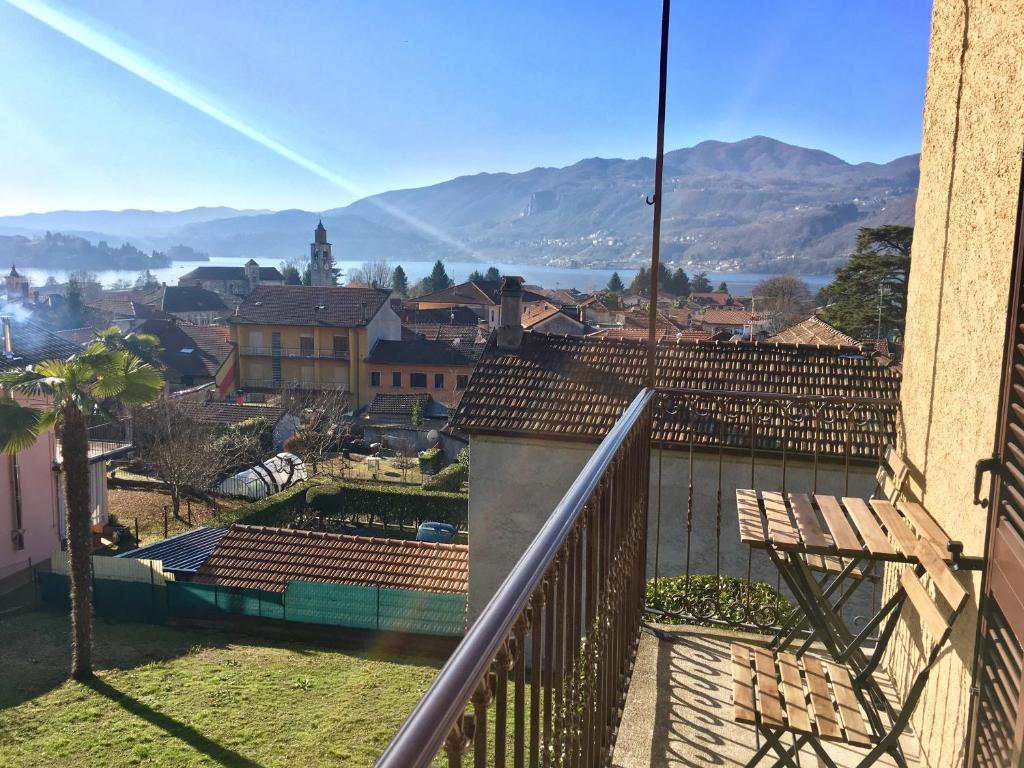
433 435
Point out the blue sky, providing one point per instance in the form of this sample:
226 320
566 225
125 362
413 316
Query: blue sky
361 97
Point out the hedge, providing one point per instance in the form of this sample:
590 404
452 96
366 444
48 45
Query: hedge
430 460
450 478
729 596
391 504
277 510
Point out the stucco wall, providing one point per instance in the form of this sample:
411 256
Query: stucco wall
959 282
515 484
39 517
449 394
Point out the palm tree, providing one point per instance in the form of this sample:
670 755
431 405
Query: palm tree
91 382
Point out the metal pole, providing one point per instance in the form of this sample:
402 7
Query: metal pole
659 167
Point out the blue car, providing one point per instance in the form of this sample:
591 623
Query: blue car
442 533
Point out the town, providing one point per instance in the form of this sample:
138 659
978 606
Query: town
282 512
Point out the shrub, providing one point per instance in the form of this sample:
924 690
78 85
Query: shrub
278 510
450 478
726 597
391 504
430 460
296 444
463 457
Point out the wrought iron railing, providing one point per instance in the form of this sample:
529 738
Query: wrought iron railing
544 670
706 445
295 353
292 384
107 439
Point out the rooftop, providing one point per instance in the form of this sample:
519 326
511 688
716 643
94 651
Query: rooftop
814 330
255 557
482 292
576 388
418 352
184 553
31 344
725 317
230 273
221 412
332 306
190 350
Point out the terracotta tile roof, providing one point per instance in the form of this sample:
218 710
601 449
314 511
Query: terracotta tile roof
418 352
398 405
639 318
332 306
538 312
221 412
627 333
254 557
454 316
475 292
730 317
814 330
576 388
719 298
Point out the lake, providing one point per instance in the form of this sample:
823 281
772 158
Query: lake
740 283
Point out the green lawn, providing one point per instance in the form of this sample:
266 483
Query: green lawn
178 697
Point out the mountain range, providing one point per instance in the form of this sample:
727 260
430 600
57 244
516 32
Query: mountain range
756 205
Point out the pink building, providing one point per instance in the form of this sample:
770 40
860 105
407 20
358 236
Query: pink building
32 521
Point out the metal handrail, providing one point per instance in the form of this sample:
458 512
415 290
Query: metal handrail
424 732
297 353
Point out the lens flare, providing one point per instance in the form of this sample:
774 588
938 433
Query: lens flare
179 88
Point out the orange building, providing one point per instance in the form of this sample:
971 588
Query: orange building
419 367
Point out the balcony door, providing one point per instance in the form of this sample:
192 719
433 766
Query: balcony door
997 730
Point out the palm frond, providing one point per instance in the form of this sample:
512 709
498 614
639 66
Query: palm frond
41 379
129 379
20 425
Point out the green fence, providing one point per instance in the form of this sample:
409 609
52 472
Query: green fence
339 605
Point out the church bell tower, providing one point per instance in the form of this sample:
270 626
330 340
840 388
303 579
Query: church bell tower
320 261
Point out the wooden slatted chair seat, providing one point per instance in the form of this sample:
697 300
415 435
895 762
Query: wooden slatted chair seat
806 694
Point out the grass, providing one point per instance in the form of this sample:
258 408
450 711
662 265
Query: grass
148 508
168 696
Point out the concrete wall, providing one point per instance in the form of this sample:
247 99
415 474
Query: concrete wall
959 283
515 484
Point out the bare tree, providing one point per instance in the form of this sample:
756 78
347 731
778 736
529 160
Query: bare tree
186 453
325 422
404 452
376 272
782 301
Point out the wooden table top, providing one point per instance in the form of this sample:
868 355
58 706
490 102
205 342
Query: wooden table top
837 526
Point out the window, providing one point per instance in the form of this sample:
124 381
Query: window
438 381
374 378
396 379
340 345
418 380
306 346
461 381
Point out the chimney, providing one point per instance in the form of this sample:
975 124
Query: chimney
8 343
363 305
510 321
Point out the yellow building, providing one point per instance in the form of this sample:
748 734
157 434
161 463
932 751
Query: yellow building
301 337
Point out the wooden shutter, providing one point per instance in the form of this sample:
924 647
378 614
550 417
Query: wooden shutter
997 739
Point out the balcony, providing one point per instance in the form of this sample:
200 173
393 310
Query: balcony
107 440
295 353
562 667
278 385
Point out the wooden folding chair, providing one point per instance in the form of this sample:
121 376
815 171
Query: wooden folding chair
818 700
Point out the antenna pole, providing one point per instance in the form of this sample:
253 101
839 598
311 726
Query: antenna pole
659 166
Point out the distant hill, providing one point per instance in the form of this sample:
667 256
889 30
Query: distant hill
757 204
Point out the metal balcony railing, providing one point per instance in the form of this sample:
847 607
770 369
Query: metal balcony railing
289 384
107 440
544 670
295 353
705 445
